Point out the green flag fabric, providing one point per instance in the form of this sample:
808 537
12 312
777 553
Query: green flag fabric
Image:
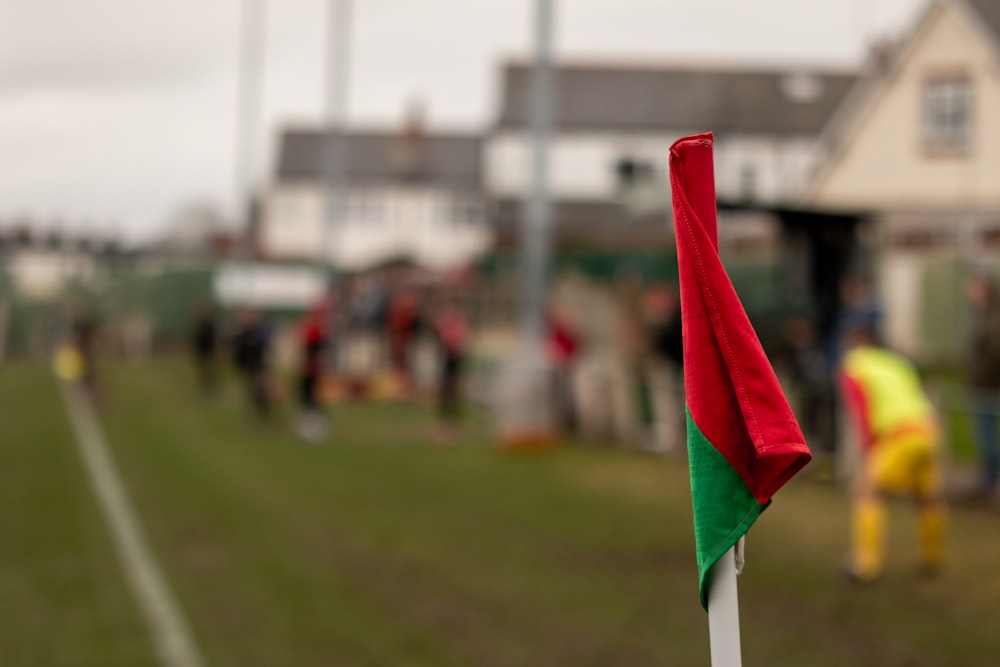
743 440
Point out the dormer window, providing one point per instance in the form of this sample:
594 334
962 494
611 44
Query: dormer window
947 115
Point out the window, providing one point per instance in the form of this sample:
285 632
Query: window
633 171
463 211
947 112
359 205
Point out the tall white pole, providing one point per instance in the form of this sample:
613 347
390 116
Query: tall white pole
251 55
524 406
335 146
536 230
724 613
248 105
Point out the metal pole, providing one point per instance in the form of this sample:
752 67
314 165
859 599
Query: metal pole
537 211
251 56
724 613
524 404
335 147
251 53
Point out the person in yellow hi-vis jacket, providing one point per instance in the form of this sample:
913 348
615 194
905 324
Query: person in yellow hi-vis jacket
898 435
68 363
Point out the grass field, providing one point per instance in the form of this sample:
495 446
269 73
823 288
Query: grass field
379 549
63 600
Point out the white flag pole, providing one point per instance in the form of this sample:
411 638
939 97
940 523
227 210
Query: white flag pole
724 613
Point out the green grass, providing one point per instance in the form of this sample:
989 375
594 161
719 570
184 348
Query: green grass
63 600
379 549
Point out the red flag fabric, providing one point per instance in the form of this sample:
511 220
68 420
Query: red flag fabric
736 407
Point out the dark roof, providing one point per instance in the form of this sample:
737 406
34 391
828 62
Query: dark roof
680 99
585 224
989 11
378 158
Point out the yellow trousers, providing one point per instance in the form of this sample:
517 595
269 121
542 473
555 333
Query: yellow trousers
903 463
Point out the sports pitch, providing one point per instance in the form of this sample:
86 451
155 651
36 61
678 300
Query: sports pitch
380 549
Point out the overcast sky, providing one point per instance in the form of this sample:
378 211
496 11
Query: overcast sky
115 113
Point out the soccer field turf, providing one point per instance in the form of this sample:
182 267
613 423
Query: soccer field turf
380 549
63 600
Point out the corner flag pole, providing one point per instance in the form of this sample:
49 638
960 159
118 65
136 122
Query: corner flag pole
744 442
724 613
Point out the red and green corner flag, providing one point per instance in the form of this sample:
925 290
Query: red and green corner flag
743 440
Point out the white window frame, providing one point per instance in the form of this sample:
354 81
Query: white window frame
947 114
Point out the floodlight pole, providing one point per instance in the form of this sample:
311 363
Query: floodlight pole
524 403
335 146
537 220
250 83
724 613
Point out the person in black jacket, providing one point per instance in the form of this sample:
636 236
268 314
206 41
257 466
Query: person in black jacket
204 344
251 346
667 346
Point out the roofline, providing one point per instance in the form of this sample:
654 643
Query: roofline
860 100
610 129
300 183
681 64
380 130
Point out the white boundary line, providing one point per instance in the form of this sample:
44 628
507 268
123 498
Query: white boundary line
171 636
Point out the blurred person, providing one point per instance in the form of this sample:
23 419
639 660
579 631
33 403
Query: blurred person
366 318
371 303
633 343
857 302
84 339
898 437
311 424
402 323
811 373
563 347
204 346
251 348
663 306
67 362
452 332
983 375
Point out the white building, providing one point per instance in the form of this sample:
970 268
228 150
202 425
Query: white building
614 125
40 265
406 195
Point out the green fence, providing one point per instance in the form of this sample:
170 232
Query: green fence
761 283
164 296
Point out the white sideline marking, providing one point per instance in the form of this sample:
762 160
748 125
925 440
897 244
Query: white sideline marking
172 639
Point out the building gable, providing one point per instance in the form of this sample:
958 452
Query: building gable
917 132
